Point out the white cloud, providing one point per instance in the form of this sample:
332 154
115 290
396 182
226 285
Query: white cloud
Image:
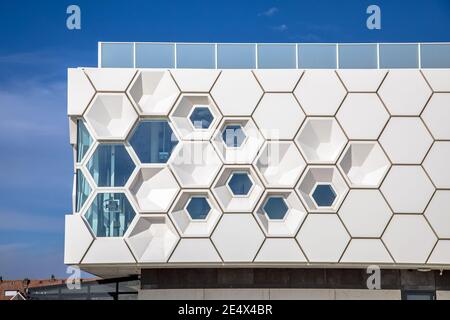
269 12
281 27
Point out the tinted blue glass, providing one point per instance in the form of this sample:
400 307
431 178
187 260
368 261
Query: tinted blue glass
435 55
153 55
84 140
324 195
236 56
399 56
201 117
240 184
153 141
198 208
110 215
233 136
117 55
111 165
277 56
358 56
83 190
275 208
200 56
317 56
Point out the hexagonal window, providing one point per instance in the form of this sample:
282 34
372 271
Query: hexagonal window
201 117
84 140
110 215
110 165
240 184
83 190
275 208
153 141
233 135
198 208
324 195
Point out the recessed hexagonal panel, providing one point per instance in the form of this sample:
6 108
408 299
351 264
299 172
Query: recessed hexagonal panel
278 80
321 140
366 251
365 213
362 115
237 238
280 164
110 165
111 116
406 140
280 213
311 88
240 184
409 238
407 189
362 80
278 116
275 250
405 92
110 214
195 213
153 141
83 190
154 92
154 189
152 238
195 164
195 116
437 213
436 164
437 115
236 92
237 202
323 238
318 179
364 164
238 140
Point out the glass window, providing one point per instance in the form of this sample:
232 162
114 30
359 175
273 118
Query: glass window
117 55
236 56
83 190
399 56
201 56
277 56
154 55
201 117
435 55
317 56
358 56
198 208
233 135
324 195
110 165
84 140
240 184
110 215
275 208
418 295
153 141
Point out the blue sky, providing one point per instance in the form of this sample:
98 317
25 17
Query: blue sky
36 49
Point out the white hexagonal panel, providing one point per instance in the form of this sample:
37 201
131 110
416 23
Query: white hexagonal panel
437 116
79 92
407 189
438 213
278 116
154 92
322 189
278 80
439 79
195 116
100 252
152 238
436 164
280 164
195 80
237 237
195 251
321 140
406 140
77 239
276 220
363 116
409 239
366 251
237 145
320 92
231 202
362 80
365 213
237 92
405 92
110 79
154 189
323 238
364 164
111 116
441 253
275 250
195 221
195 164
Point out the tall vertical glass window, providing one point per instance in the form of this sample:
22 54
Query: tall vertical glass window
84 140
83 190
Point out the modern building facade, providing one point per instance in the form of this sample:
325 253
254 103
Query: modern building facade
230 163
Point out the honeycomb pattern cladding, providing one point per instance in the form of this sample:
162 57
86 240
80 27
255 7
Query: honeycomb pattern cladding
377 139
